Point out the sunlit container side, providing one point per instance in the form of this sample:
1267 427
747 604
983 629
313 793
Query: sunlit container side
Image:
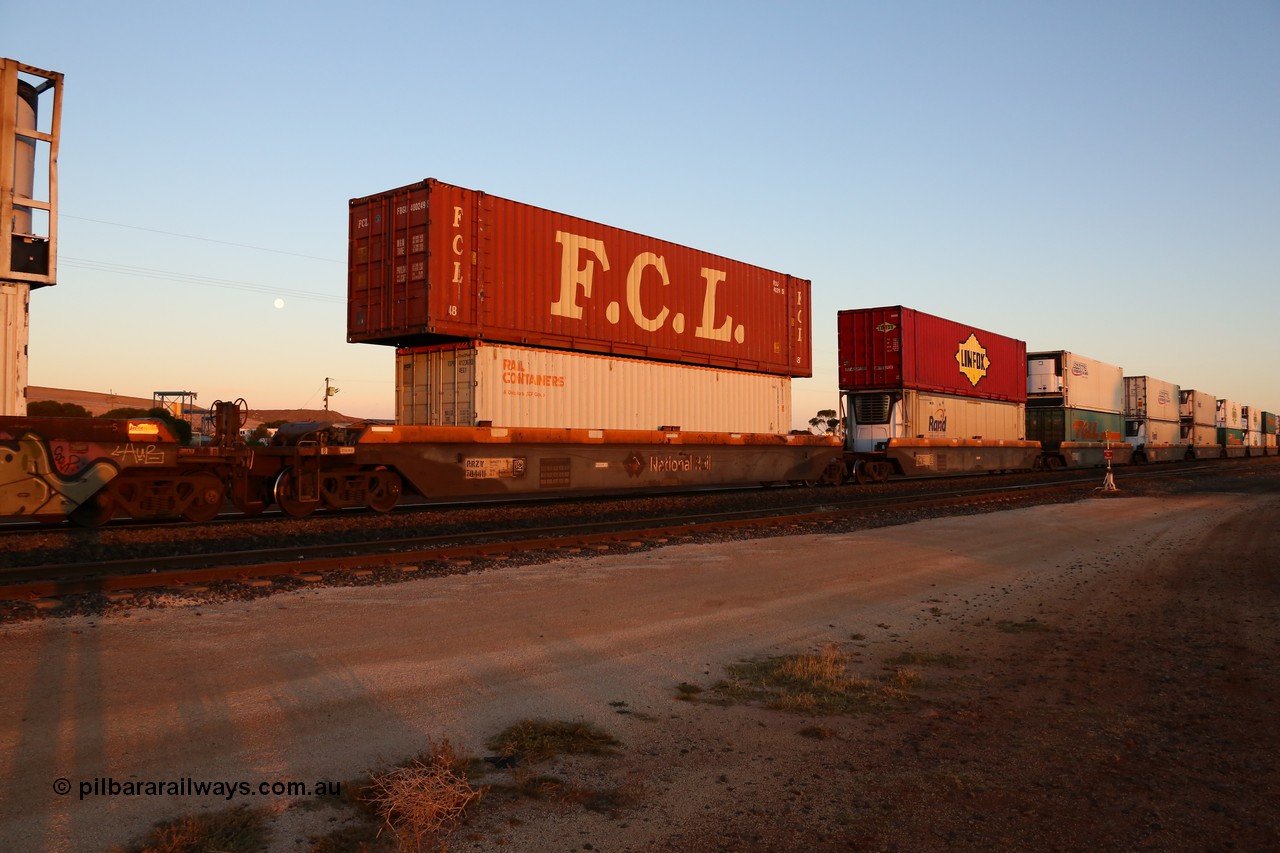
924 395
432 263
510 386
1147 397
901 348
1230 435
1198 407
1069 379
1152 424
1251 419
1075 407
1078 438
1228 414
1198 412
926 433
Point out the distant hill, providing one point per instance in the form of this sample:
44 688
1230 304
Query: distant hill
98 403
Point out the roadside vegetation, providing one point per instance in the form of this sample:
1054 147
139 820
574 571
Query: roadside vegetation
235 830
811 683
414 805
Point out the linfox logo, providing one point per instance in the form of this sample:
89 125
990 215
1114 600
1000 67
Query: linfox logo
1079 368
972 358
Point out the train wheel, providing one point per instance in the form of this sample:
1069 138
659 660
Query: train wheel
286 496
384 491
207 496
860 472
96 511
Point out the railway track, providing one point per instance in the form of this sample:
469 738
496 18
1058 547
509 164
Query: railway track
390 556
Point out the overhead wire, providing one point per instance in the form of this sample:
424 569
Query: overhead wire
190 278
202 239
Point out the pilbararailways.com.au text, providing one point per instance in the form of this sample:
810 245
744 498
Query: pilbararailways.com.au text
106 786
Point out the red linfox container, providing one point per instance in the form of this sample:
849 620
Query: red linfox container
900 348
432 263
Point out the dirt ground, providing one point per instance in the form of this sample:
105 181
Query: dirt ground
1098 675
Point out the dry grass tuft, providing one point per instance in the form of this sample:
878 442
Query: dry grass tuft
425 797
531 741
235 830
818 683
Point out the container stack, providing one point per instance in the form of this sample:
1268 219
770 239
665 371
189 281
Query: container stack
1230 428
1269 446
1198 412
1075 409
1251 418
509 315
934 394
1152 421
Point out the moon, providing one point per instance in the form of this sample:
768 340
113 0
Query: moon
279 303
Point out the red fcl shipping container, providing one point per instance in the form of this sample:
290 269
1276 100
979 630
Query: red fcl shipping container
900 348
432 263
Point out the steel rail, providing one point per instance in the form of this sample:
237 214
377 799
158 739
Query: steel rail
448 549
50 581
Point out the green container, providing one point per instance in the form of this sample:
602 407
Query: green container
1052 426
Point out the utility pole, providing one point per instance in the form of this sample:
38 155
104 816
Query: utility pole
329 391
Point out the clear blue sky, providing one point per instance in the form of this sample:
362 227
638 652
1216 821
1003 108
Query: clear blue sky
1102 177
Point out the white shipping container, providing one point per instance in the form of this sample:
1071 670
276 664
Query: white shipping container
1153 432
1251 416
1198 407
512 386
1199 435
1228 415
1081 382
929 415
1145 397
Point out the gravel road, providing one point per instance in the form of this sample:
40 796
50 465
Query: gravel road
1110 683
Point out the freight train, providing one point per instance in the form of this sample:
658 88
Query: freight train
541 354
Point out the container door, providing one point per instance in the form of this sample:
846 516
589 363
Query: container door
454 225
870 345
